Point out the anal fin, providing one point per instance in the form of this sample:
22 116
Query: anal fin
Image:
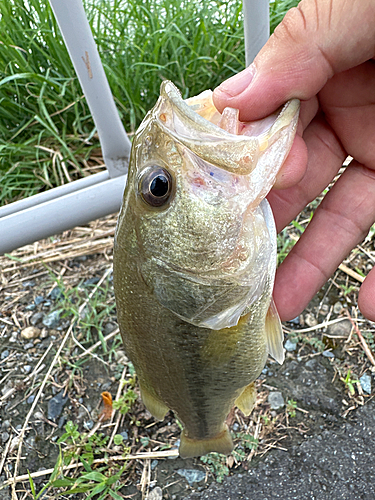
246 400
221 443
154 405
274 334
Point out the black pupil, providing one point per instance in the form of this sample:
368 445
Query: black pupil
159 186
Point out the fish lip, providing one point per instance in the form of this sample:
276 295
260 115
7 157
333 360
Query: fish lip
234 153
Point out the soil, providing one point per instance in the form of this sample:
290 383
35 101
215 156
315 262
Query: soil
311 435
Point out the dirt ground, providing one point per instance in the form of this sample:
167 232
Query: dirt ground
311 435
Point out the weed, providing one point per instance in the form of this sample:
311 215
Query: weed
266 419
349 382
311 341
125 402
81 443
100 482
246 441
216 463
347 289
56 472
291 407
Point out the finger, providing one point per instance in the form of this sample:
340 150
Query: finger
366 297
313 42
294 167
348 102
325 158
339 224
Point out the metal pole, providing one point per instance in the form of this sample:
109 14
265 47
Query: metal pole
256 27
53 193
73 209
79 41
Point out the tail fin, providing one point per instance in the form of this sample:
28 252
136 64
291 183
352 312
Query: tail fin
221 443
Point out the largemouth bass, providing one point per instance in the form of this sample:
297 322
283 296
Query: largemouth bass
195 259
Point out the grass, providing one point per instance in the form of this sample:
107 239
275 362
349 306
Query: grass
47 135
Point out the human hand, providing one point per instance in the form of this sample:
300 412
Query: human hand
322 53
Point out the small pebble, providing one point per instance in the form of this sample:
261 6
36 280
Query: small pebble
30 283
324 309
192 475
30 399
56 404
27 368
290 345
295 321
28 346
235 426
5 424
337 307
31 332
328 354
365 382
38 299
4 354
311 364
44 333
125 435
4 437
91 281
276 400
341 329
109 328
310 320
13 337
88 425
36 318
155 494
55 293
154 464
52 319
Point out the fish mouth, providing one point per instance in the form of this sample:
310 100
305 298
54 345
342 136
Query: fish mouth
229 144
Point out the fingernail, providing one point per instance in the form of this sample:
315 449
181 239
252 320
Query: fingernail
238 83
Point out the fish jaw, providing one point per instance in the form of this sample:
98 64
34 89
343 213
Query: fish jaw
186 121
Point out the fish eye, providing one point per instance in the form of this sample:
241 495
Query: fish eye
155 186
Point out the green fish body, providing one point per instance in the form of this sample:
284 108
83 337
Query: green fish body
195 259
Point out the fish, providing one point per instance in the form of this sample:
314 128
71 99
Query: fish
195 259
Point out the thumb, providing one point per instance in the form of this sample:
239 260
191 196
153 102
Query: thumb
315 40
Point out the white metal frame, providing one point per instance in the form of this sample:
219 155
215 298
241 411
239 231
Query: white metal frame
87 199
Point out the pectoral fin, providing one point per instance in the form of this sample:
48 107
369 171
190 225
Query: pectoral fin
154 405
222 443
274 334
246 400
